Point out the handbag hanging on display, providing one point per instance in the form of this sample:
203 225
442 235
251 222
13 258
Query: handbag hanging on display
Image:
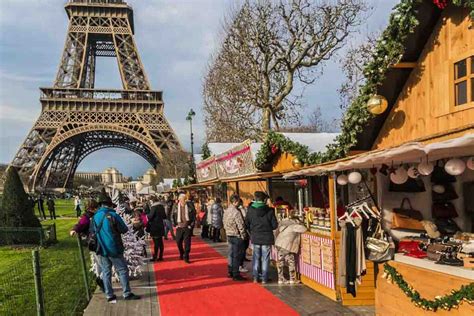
443 210
411 186
407 218
380 248
440 176
448 193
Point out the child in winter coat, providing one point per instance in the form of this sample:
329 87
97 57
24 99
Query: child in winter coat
288 243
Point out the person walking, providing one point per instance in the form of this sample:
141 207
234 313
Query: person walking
51 207
108 226
234 225
209 205
82 228
77 206
157 227
183 216
41 207
168 205
203 215
217 213
288 244
261 222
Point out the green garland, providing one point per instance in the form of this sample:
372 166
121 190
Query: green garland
447 302
389 50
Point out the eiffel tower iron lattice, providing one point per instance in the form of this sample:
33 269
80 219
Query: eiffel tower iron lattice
77 119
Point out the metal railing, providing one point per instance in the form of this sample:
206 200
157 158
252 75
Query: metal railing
41 236
96 94
40 283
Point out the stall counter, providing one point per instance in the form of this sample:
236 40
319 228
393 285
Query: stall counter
390 299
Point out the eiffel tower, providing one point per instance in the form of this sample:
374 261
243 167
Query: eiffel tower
77 119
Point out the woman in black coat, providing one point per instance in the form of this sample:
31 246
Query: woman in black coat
156 227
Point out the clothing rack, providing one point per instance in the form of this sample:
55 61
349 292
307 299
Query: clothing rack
368 197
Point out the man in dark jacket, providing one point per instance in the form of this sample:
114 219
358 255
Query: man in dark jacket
184 215
51 207
261 222
168 204
157 227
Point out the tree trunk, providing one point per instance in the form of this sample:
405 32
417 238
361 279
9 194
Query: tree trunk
266 122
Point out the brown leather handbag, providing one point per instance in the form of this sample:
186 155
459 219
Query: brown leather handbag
407 218
435 251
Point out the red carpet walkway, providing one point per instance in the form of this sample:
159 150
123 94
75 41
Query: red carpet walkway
202 287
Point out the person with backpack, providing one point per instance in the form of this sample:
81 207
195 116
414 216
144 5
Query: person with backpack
82 229
261 222
106 228
156 227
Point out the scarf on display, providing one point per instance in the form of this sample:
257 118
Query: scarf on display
186 213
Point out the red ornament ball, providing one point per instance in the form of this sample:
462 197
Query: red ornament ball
274 149
441 3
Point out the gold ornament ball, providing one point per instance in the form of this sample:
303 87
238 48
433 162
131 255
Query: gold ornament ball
296 162
377 104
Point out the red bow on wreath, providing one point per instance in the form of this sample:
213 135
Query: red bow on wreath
274 148
441 3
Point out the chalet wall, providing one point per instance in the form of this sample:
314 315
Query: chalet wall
426 105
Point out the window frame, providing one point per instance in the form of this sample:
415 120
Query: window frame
469 78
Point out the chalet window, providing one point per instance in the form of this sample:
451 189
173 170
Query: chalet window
464 81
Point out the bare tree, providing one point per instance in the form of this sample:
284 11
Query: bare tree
175 164
271 45
315 123
352 64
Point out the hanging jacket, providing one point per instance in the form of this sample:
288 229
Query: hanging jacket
109 234
217 213
288 235
261 222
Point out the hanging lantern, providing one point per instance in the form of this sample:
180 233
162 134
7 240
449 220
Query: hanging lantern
455 166
377 104
470 163
342 179
413 172
296 162
425 168
354 177
399 176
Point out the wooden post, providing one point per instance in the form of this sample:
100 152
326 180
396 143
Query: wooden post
38 286
84 268
332 205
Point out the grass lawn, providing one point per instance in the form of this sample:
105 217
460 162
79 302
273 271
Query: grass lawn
64 208
64 291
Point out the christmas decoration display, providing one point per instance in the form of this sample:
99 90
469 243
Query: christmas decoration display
446 302
413 172
399 176
354 177
377 104
470 163
296 163
425 168
342 179
455 166
133 245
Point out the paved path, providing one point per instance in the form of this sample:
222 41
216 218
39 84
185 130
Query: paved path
204 280
147 306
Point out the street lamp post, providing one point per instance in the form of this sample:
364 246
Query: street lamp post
189 118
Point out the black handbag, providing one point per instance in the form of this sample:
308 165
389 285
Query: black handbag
443 210
447 226
411 186
440 176
448 194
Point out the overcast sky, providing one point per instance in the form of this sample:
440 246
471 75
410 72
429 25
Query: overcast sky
175 39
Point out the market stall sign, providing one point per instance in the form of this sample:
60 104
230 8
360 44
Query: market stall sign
235 162
206 170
